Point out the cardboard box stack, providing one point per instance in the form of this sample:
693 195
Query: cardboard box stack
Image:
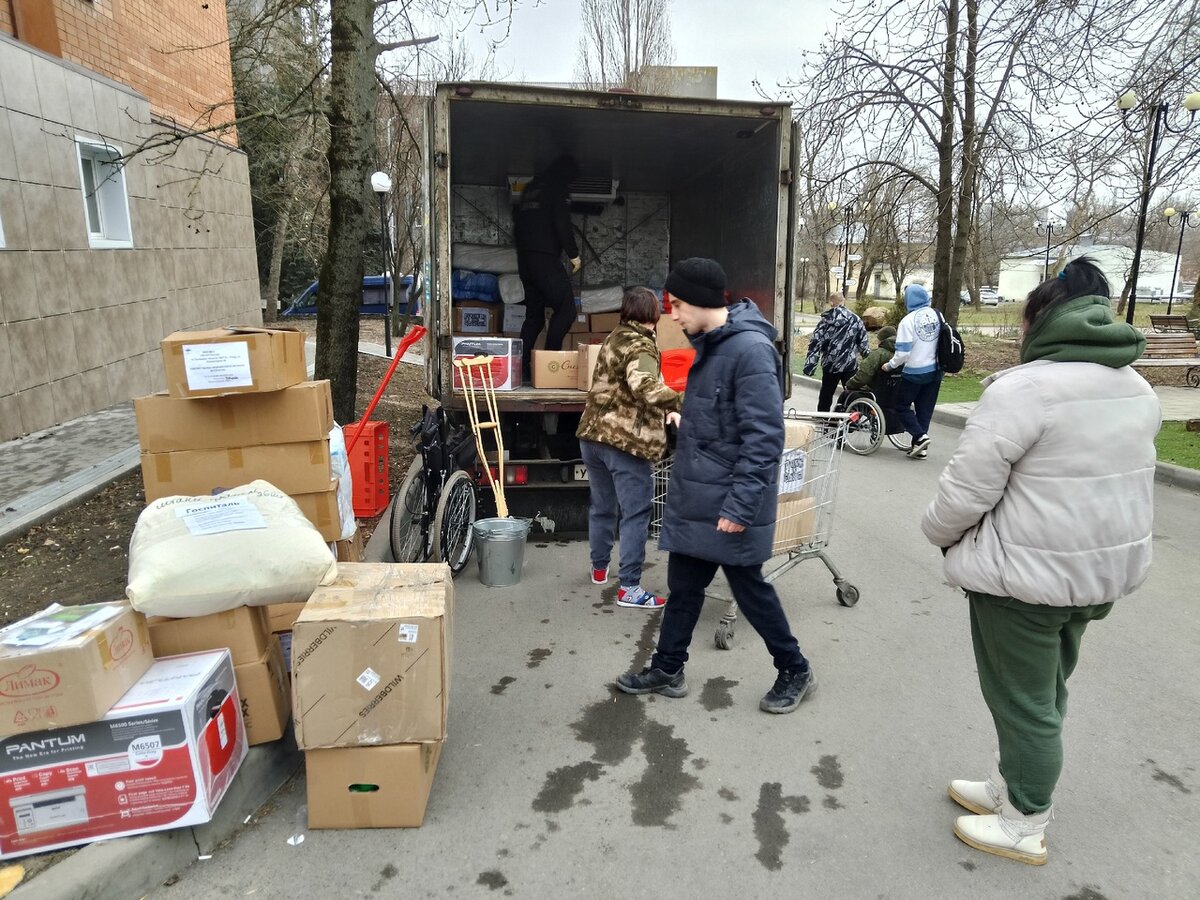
796 515
237 408
370 676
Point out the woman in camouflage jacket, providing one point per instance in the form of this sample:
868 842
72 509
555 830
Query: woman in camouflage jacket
620 435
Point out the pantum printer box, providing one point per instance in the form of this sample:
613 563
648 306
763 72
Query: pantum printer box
163 757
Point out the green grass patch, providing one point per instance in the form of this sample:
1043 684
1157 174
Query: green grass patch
1175 444
964 387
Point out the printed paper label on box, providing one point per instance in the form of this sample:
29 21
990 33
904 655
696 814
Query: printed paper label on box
210 366
233 514
408 633
57 624
368 679
791 471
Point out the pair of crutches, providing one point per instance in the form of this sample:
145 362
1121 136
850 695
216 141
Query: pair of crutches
487 387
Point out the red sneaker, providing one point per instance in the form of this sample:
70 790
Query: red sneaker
600 576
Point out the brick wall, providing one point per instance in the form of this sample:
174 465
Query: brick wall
174 52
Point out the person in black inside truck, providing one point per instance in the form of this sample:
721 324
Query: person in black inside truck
542 227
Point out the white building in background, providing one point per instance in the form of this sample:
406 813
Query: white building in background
1022 272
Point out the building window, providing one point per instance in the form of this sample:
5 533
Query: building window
105 203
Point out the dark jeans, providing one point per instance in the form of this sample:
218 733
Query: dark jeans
687 578
913 405
620 484
829 383
547 287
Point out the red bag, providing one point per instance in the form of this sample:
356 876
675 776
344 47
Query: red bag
675 367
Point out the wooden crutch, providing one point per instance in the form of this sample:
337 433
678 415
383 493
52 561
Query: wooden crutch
467 368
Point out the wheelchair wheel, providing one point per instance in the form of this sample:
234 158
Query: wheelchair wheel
864 431
408 510
452 539
900 440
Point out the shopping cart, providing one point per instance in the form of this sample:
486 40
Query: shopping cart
805 518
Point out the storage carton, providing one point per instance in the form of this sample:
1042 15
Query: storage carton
670 336
300 468
793 466
281 616
67 665
321 508
237 359
579 324
370 657
795 524
588 354
163 757
556 369
506 360
265 694
350 550
476 317
514 318
603 323
370 787
302 412
244 632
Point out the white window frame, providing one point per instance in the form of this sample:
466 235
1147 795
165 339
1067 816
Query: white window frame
105 198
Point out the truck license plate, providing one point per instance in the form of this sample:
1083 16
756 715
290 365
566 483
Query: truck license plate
581 473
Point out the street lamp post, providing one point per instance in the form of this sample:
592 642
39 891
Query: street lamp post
1158 123
1050 228
381 184
1187 219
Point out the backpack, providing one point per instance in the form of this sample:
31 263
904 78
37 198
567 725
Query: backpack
950 352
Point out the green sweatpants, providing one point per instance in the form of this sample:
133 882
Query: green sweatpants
1025 653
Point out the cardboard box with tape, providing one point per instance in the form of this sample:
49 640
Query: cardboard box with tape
793 466
265 694
298 468
321 508
556 369
795 524
588 355
238 359
244 632
477 317
370 787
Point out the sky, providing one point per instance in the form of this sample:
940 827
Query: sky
745 39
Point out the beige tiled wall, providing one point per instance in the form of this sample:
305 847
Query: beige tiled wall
80 328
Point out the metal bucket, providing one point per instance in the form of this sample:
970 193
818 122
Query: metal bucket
500 550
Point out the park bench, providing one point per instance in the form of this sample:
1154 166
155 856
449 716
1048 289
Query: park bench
1172 350
1171 324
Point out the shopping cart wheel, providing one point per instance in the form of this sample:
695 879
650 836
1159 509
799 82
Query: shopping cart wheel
724 635
847 595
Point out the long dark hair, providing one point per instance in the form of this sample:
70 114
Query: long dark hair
1081 277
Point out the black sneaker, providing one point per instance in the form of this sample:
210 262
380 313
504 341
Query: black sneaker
919 447
790 688
653 681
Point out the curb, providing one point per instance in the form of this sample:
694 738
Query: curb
134 866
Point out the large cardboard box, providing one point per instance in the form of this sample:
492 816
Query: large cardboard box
603 323
588 355
506 360
513 318
350 550
795 524
321 508
300 468
370 787
670 336
281 616
302 412
265 694
244 632
556 369
237 359
793 466
476 317
67 665
370 657
163 757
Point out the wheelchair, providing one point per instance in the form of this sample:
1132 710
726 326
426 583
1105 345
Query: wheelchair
868 424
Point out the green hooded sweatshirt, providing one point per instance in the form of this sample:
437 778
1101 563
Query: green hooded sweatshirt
1082 330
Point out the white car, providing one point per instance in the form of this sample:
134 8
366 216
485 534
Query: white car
989 297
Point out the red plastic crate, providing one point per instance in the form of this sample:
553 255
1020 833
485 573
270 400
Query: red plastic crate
369 468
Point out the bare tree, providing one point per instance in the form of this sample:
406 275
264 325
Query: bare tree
620 39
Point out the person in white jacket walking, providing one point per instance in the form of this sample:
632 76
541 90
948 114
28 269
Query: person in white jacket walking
916 353
1044 516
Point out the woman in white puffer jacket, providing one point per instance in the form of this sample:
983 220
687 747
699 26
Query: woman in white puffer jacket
1044 515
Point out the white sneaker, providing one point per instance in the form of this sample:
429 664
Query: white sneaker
919 447
1009 833
983 798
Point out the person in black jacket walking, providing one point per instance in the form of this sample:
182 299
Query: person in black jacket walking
542 228
721 500
839 339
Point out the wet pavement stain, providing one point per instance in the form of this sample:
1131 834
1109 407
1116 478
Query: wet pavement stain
545 621
541 546
612 726
386 874
831 802
502 685
969 866
658 795
552 826
700 763
492 878
1087 892
1173 780
727 794
716 695
537 657
769 828
829 773
608 597
646 642
563 785
726 818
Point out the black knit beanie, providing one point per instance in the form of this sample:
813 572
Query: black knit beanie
698 281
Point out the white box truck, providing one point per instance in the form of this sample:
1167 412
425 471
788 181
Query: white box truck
662 179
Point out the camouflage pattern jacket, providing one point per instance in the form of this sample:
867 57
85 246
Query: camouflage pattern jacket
628 400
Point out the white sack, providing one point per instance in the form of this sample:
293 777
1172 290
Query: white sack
484 258
249 546
602 298
512 291
345 491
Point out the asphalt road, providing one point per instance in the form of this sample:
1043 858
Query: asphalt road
550 784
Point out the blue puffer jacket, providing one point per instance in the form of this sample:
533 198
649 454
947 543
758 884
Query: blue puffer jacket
730 441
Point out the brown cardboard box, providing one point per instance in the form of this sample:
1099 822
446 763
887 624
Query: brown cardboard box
476 317
588 354
370 656
603 323
244 631
555 369
795 523
370 787
793 466
352 549
580 323
237 359
670 336
265 695
513 318
300 468
281 616
66 666
321 508
302 412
